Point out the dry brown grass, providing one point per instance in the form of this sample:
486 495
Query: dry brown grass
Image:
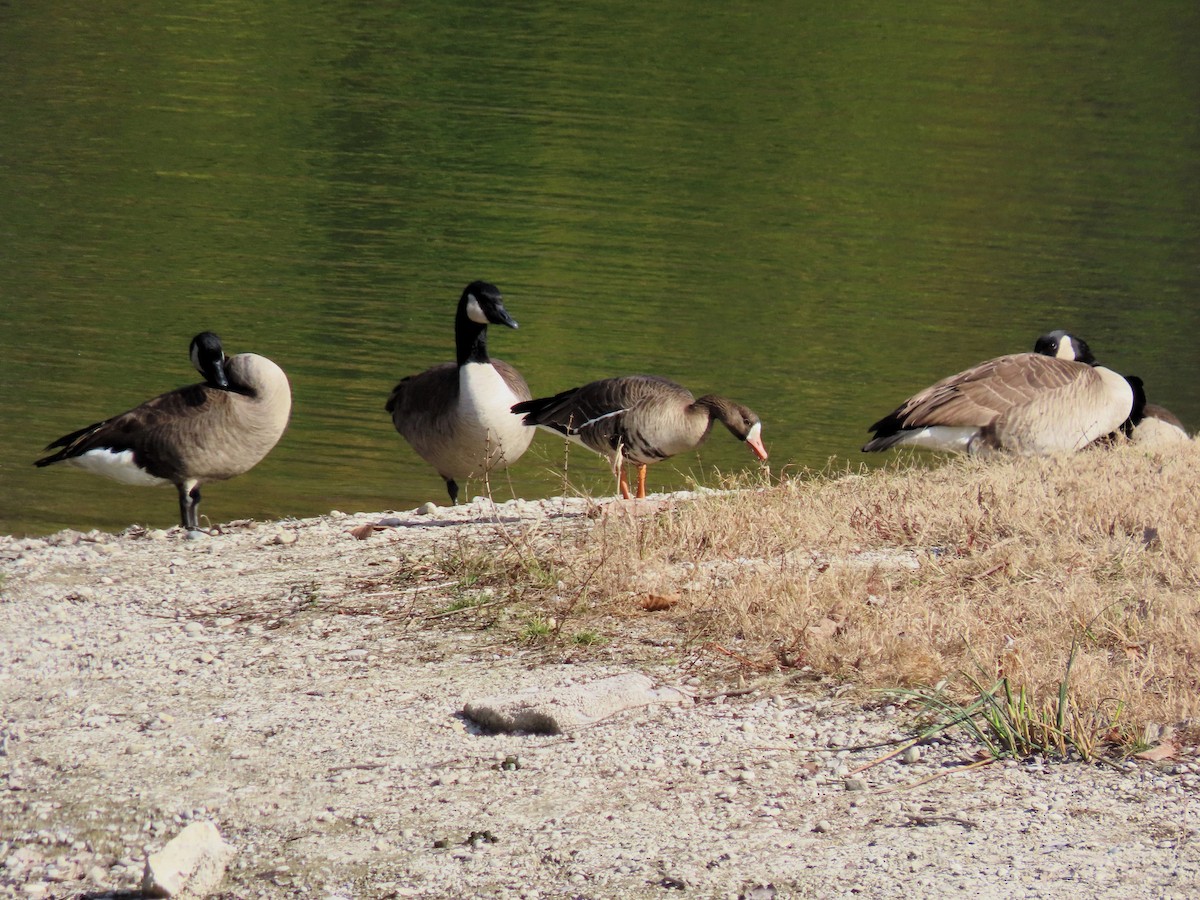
918 574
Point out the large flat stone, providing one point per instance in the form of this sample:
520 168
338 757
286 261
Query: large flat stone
557 709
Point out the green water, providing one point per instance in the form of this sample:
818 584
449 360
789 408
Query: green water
815 211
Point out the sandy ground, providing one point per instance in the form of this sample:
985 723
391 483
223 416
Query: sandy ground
272 680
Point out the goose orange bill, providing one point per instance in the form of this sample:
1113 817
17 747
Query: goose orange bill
754 439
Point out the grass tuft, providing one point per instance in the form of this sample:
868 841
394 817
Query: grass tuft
586 638
538 630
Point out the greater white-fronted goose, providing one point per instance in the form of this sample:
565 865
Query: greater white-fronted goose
1031 403
457 416
640 419
1149 425
197 434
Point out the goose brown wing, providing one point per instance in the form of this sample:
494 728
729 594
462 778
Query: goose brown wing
513 378
976 396
598 413
420 402
139 430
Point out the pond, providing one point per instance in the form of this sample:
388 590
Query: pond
813 211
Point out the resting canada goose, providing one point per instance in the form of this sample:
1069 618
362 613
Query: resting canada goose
1149 425
204 432
457 415
1158 428
1032 403
640 419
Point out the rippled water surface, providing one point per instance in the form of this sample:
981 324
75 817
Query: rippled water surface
814 212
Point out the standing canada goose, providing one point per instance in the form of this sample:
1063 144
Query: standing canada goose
204 432
640 419
1149 425
1031 403
457 415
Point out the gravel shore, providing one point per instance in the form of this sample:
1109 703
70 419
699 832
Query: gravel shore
253 679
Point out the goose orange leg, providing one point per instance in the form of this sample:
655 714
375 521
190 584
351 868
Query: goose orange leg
623 483
641 482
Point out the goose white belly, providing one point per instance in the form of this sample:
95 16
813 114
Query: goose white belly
115 464
486 423
940 438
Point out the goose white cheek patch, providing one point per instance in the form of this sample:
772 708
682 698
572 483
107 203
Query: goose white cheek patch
475 312
1066 348
754 439
115 464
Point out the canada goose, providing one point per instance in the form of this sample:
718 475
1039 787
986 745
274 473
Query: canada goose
204 432
640 419
1149 425
1158 428
1032 403
457 415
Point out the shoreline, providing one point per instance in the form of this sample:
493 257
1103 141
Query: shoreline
274 681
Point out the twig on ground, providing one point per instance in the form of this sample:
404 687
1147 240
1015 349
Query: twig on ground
936 775
462 609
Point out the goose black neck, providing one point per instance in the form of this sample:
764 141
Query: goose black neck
470 339
1138 411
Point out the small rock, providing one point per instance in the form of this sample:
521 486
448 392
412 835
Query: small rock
478 838
427 509
192 863
856 784
822 827
912 755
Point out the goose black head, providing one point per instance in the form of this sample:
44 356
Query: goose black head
209 359
482 303
1064 345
